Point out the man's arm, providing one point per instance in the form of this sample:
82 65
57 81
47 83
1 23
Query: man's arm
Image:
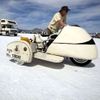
61 23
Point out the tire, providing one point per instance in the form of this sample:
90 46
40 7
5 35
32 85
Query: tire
7 33
15 34
80 62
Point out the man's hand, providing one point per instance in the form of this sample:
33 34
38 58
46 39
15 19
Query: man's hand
61 24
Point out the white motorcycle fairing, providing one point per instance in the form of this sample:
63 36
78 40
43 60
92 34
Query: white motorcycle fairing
23 52
48 57
20 51
74 42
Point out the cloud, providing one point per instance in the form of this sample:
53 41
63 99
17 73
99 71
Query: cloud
37 13
87 17
4 13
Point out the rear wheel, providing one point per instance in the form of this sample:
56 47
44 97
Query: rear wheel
80 62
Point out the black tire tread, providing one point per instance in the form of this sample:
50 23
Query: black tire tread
80 64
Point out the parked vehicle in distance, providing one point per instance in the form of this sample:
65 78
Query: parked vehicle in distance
8 27
97 35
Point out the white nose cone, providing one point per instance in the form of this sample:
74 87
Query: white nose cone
74 42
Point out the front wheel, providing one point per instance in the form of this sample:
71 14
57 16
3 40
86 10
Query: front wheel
80 62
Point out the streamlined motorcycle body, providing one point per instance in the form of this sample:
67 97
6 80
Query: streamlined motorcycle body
73 42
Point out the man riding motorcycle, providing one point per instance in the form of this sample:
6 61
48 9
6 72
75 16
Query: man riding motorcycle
58 21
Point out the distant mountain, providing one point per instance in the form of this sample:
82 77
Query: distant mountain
35 31
24 31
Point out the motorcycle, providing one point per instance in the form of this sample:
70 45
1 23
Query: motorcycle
72 42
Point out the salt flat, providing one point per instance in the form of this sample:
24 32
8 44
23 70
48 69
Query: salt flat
43 80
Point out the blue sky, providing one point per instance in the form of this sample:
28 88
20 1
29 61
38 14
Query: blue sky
31 14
